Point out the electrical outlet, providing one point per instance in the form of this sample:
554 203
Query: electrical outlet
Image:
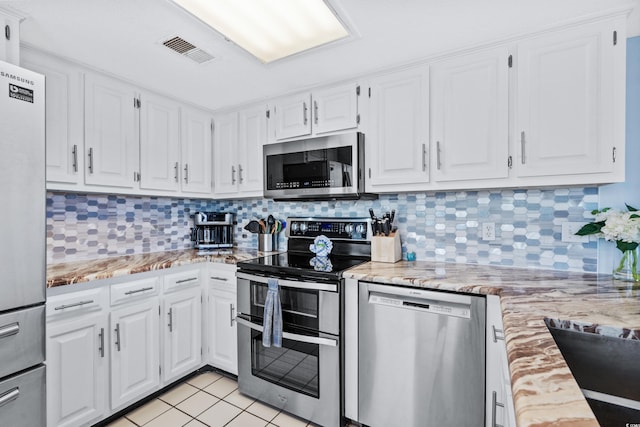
488 231
569 230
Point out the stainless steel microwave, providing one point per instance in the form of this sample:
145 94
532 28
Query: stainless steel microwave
321 168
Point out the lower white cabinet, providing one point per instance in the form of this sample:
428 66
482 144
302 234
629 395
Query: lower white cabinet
221 310
499 407
135 359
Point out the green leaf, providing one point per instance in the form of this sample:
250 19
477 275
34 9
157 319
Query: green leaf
634 216
591 228
631 208
626 246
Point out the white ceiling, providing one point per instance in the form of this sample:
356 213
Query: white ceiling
123 37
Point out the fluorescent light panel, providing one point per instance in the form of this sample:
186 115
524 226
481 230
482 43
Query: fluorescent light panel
270 29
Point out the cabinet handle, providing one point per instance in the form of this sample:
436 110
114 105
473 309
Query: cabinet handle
231 316
63 306
495 334
424 158
9 396
170 320
74 154
101 348
438 164
224 279
90 159
240 173
304 112
190 279
175 169
494 406
523 142
8 330
7 32
315 112
233 174
186 173
117 331
138 290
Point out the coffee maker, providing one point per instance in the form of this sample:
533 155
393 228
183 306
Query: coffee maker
212 230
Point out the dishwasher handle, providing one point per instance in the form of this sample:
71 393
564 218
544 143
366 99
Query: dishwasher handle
414 293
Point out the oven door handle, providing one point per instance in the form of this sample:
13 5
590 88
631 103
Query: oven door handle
291 283
289 336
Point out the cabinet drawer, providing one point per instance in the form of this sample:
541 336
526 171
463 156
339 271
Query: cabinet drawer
224 280
135 290
21 339
186 279
76 303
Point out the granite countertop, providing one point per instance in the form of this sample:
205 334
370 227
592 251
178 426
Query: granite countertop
544 391
83 271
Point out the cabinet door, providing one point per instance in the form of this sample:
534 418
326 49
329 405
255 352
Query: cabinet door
252 136
398 134
76 370
470 116
293 116
196 151
182 333
335 108
64 124
111 133
135 361
565 108
225 154
223 341
159 143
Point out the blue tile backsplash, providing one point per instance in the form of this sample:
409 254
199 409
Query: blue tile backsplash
443 226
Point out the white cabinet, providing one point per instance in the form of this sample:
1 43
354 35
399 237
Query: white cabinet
135 359
111 133
196 147
238 140
325 110
77 364
10 38
221 310
64 124
398 131
570 101
499 407
182 336
159 143
470 116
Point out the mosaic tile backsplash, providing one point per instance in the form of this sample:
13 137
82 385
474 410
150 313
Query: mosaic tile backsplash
442 226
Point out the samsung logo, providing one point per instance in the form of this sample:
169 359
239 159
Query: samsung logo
16 78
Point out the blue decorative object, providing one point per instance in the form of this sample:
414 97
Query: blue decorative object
321 246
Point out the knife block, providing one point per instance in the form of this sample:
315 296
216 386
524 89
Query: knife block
386 248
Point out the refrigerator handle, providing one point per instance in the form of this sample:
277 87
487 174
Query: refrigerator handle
8 330
9 396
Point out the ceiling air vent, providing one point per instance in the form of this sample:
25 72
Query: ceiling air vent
184 48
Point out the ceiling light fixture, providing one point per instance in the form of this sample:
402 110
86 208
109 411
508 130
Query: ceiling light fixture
270 30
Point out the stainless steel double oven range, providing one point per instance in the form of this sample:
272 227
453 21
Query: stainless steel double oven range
304 376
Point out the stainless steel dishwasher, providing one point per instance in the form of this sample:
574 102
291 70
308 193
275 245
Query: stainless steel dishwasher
421 357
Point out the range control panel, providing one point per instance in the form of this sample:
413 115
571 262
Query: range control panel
357 229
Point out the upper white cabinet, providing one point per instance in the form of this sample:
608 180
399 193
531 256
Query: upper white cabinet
398 131
570 98
64 124
238 140
196 149
325 110
111 133
159 143
10 38
470 116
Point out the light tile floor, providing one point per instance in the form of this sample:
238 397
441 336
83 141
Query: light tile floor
207 400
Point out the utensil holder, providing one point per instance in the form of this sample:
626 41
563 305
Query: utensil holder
268 242
386 248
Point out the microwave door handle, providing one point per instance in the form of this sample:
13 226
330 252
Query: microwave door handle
289 336
290 283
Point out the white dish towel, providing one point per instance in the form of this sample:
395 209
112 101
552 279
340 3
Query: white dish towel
272 323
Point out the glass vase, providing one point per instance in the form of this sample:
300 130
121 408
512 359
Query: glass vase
627 268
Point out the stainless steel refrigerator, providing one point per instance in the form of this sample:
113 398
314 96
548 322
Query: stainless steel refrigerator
22 247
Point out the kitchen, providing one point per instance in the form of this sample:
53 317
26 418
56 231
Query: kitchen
441 221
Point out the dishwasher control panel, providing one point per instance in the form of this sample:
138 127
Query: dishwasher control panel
419 304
